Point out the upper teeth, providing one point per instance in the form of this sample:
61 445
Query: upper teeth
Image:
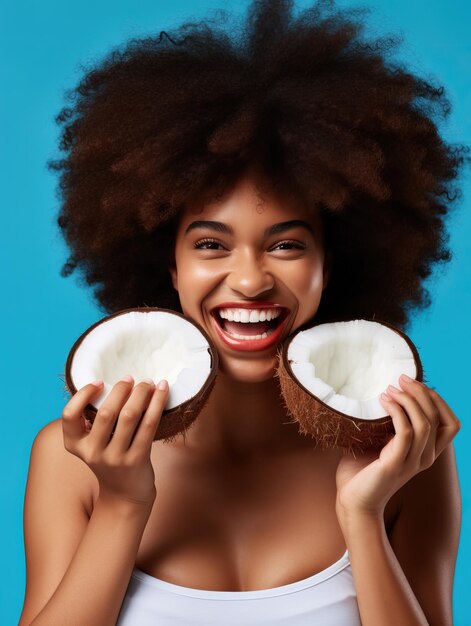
249 315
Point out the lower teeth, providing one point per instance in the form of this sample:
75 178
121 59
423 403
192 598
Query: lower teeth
263 336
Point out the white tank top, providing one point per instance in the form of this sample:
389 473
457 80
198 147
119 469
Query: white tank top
327 598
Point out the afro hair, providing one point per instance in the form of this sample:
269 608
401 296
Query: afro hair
308 100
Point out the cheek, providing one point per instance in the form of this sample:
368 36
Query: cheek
306 279
306 285
195 282
315 282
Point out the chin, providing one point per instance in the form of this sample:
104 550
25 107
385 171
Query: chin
249 371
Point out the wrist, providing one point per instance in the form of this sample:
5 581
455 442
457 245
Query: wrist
363 533
353 518
124 505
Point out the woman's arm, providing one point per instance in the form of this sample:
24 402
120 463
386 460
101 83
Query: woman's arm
77 568
419 461
408 578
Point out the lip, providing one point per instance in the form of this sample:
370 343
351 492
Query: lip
250 345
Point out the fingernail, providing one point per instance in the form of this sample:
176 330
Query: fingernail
97 383
393 389
163 385
126 379
406 378
149 381
385 396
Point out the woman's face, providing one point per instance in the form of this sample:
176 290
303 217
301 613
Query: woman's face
239 256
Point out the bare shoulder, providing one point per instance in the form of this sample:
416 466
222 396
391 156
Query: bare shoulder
425 536
437 484
57 508
430 503
78 478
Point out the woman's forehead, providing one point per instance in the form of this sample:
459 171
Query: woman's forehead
259 205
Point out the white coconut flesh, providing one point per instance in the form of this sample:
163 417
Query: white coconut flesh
154 344
347 365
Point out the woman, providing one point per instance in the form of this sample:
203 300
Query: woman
290 165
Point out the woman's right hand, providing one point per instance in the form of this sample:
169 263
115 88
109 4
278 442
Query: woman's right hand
121 459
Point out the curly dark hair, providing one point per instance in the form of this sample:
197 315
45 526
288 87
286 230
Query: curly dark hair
310 101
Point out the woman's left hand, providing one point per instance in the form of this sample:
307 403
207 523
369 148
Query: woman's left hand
424 426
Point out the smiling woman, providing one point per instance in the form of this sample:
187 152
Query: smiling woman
267 256
257 178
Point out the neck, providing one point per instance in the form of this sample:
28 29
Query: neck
241 419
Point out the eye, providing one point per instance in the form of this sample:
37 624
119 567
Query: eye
290 245
212 244
207 244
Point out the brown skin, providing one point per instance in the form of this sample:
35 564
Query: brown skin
68 553
246 503
244 411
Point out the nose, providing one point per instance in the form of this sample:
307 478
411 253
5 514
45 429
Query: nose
249 277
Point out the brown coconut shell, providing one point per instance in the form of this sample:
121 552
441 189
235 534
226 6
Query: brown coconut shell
174 421
329 427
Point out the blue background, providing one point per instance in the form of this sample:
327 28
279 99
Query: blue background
41 46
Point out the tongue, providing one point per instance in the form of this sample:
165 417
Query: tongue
251 328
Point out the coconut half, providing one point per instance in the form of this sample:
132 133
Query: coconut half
331 377
147 343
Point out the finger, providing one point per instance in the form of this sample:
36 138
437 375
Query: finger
422 430
107 414
144 436
422 396
449 423
72 420
130 415
399 446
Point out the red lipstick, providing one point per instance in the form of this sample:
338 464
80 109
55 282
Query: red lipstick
250 345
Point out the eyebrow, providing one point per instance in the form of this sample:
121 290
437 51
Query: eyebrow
275 229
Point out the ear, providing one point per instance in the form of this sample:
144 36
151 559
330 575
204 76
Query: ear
327 270
172 268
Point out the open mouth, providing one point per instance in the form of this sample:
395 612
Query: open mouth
250 329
